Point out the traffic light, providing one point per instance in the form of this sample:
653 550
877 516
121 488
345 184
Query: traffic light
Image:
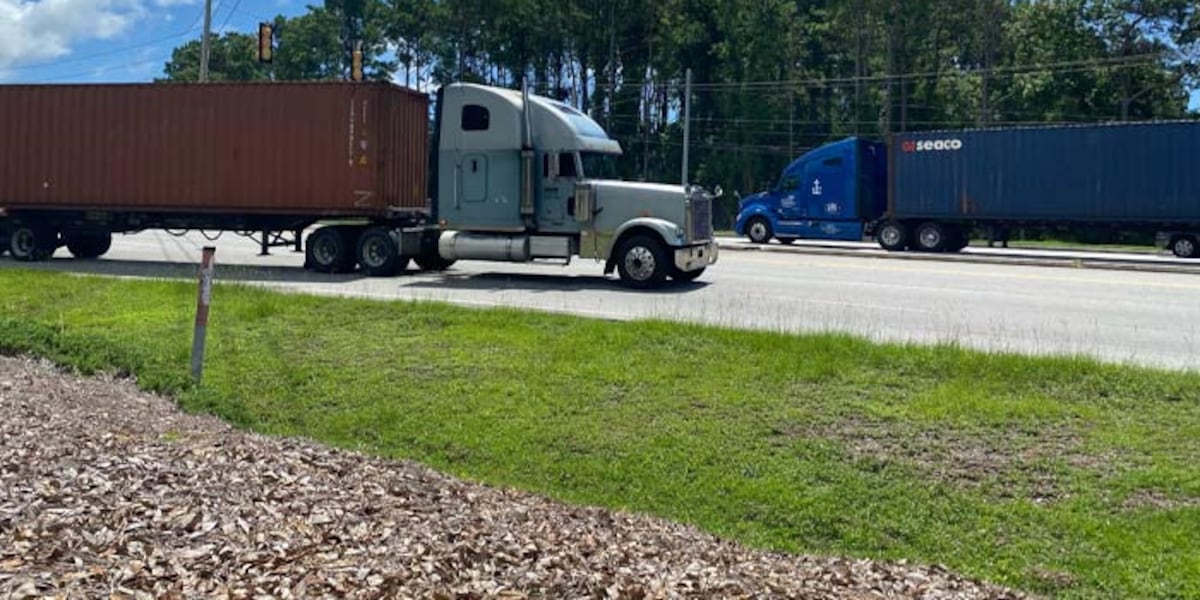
265 54
356 63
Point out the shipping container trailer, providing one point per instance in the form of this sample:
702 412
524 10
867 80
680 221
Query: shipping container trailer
939 186
80 162
512 176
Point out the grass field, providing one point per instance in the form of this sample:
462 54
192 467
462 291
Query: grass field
1056 476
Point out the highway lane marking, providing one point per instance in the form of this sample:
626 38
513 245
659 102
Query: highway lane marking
899 269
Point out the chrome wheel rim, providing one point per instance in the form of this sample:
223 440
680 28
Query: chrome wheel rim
930 237
639 263
758 231
890 235
1185 247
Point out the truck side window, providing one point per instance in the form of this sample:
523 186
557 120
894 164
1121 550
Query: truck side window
475 118
566 165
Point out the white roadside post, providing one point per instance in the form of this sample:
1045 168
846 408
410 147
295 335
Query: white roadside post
202 301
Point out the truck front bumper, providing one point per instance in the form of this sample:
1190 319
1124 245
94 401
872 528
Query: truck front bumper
690 258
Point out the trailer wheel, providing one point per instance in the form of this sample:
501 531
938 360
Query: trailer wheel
328 251
1184 246
892 236
92 244
433 262
378 254
759 230
32 243
686 276
3 242
642 262
931 237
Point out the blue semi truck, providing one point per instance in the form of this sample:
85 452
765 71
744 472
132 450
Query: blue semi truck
928 191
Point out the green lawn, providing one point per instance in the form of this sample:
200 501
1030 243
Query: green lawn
1056 476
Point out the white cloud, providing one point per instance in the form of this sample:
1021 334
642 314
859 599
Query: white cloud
33 31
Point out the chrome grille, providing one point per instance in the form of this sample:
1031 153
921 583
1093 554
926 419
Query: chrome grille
701 217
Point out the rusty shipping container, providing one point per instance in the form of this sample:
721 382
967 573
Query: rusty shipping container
318 149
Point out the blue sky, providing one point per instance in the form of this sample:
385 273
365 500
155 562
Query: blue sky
58 41
53 41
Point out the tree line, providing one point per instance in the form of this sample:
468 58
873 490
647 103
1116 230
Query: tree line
772 77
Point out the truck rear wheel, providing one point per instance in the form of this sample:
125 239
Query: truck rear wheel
892 236
90 244
378 254
32 243
759 230
931 237
1184 246
329 251
642 262
3 242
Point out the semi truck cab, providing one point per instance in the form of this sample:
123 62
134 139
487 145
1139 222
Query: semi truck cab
521 177
828 193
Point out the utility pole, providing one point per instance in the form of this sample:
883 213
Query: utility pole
687 123
205 43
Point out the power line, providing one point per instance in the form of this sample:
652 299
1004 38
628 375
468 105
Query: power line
1058 67
230 15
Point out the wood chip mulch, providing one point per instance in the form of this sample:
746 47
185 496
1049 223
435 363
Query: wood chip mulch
109 492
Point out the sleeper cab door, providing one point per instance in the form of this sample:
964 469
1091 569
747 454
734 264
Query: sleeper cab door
485 179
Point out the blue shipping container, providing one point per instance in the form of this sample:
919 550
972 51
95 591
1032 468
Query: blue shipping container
1133 173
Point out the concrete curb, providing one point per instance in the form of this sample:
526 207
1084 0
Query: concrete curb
1033 261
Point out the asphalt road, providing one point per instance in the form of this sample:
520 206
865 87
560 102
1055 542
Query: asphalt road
1150 318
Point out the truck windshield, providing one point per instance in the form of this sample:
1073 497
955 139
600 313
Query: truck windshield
597 165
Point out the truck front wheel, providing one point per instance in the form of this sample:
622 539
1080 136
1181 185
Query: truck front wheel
758 230
32 243
643 262
1184 246
892 237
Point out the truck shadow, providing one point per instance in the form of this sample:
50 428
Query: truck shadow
538 282
171 270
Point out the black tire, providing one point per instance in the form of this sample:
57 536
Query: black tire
433 262
931 237
686 276
31 243
378 254
1185 246
92 244
328 250
759 230
3 243
787 241
643 262
892 236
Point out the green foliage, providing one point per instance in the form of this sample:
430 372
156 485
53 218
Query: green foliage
1057 476
233 57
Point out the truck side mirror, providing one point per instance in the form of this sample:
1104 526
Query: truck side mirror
583 203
